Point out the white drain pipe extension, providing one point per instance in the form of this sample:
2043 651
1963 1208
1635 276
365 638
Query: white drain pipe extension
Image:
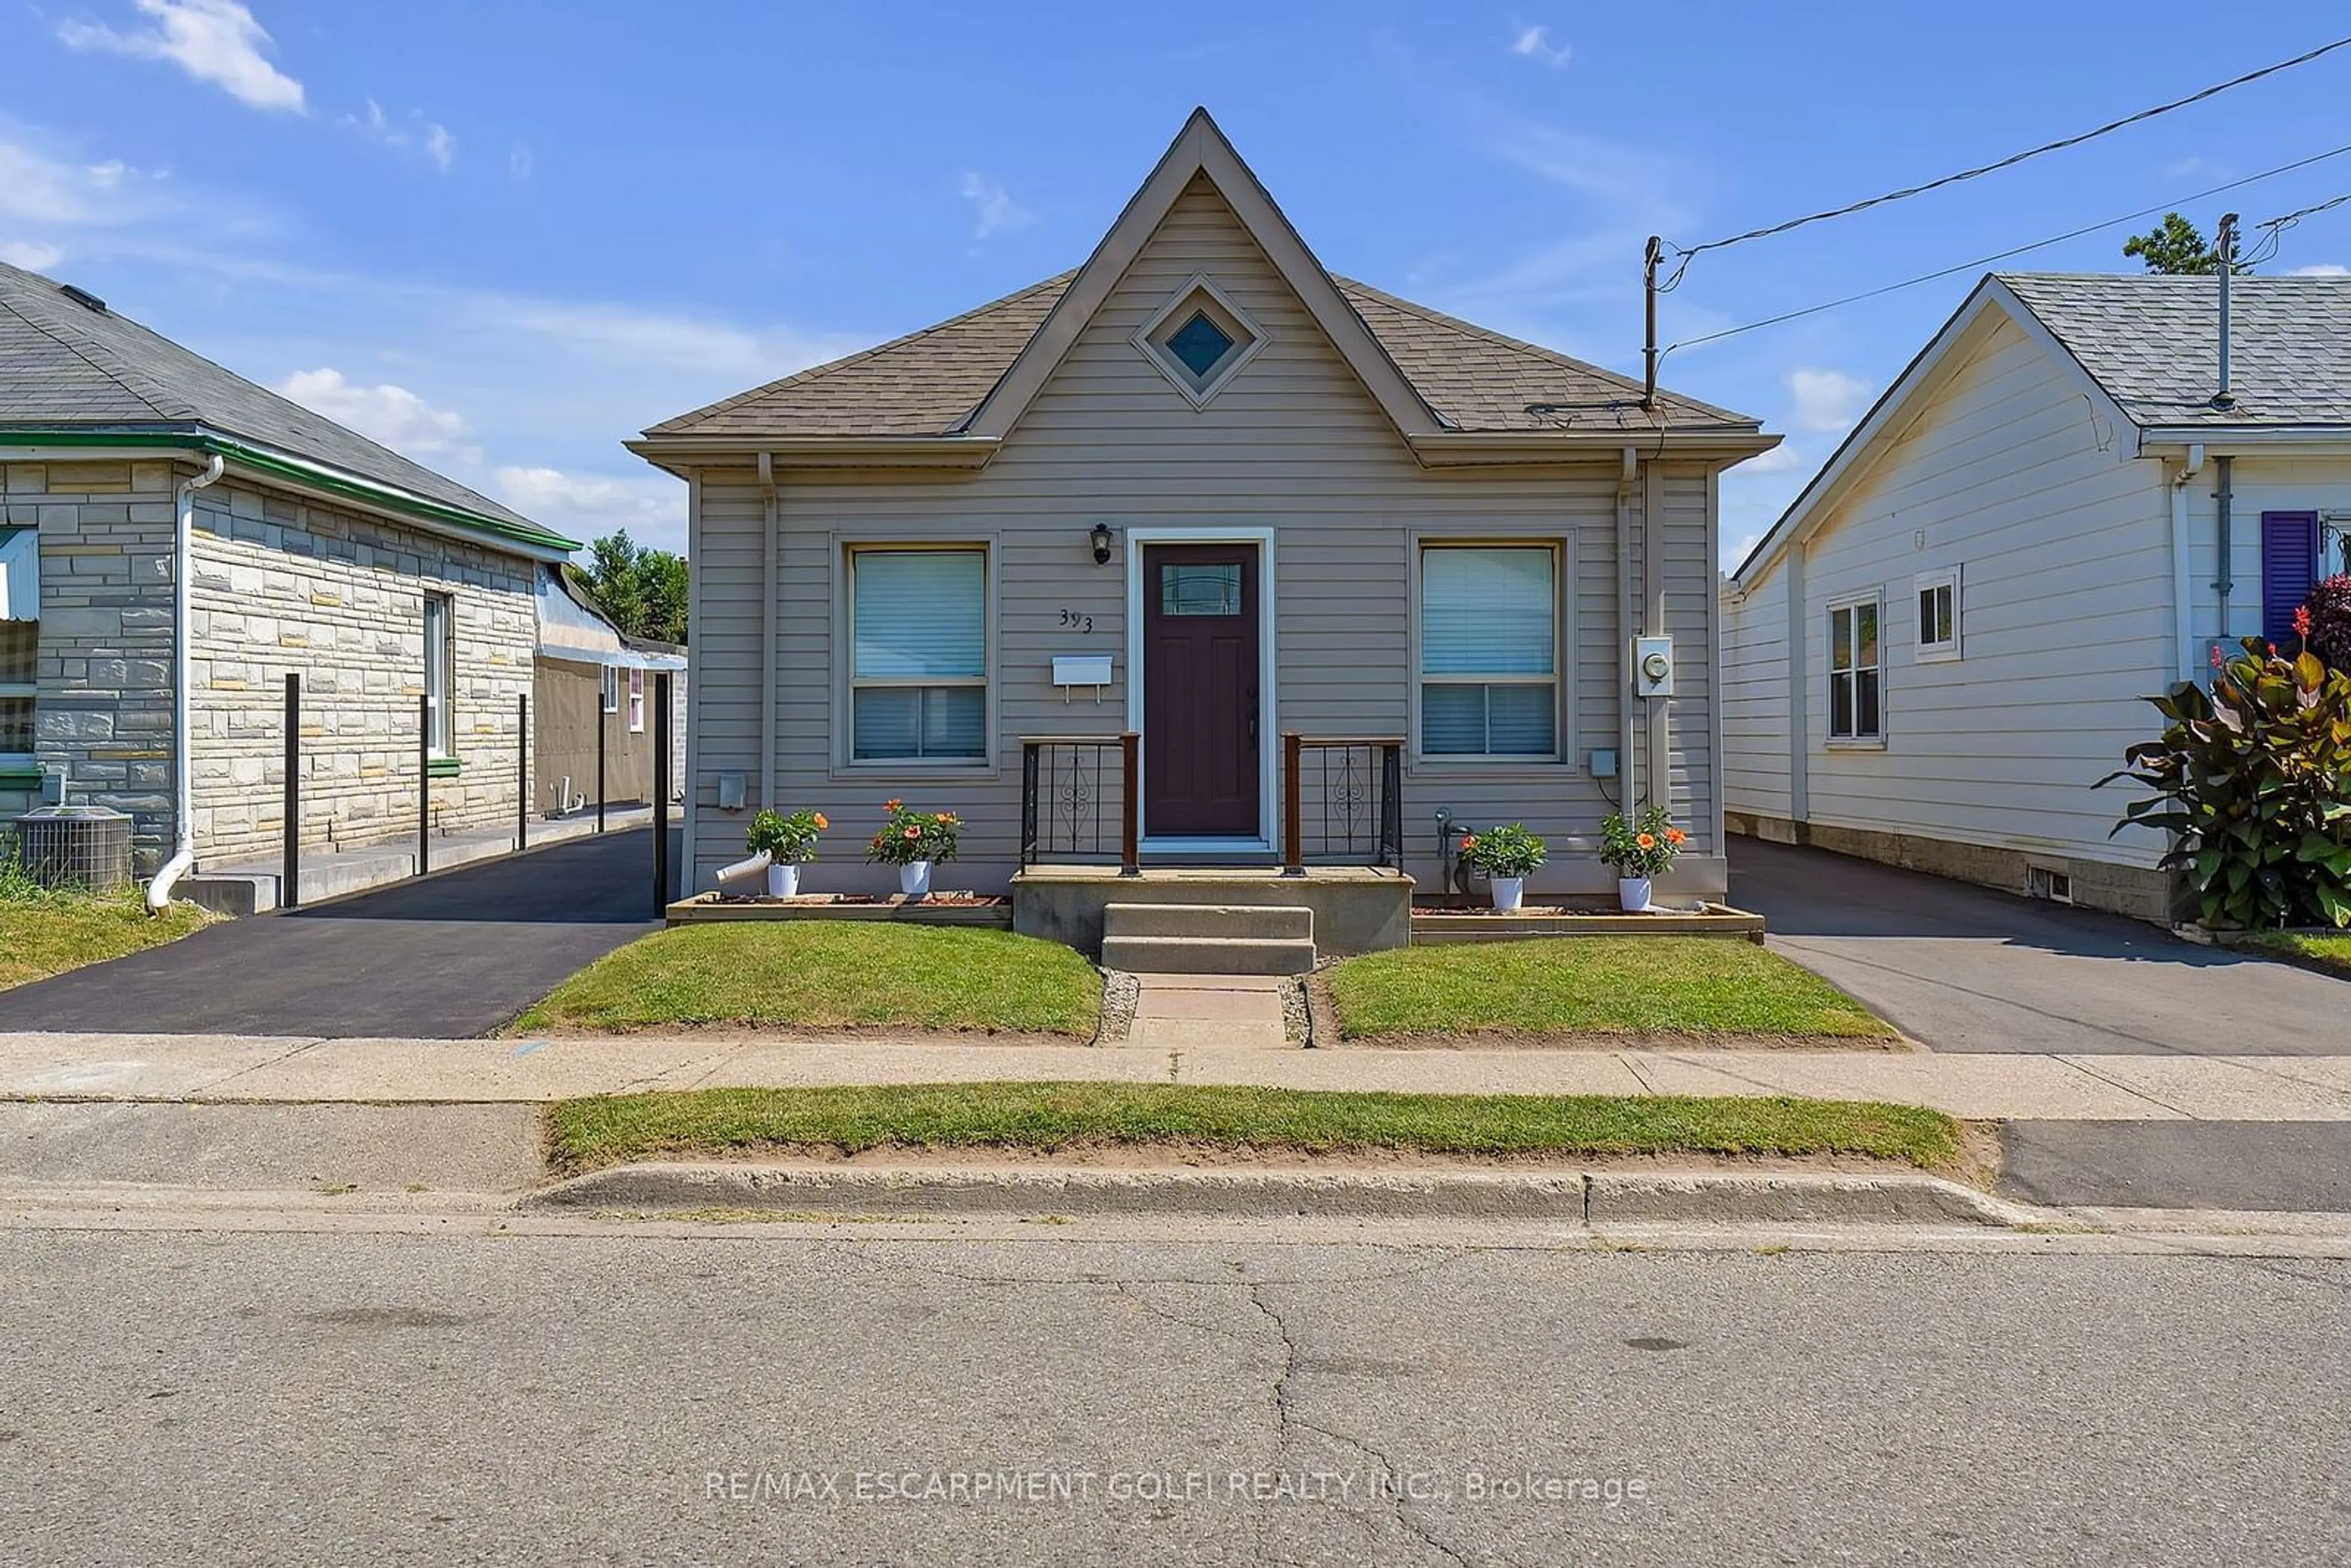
183 837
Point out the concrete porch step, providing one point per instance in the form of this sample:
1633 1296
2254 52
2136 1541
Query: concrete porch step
1255 920
1208 955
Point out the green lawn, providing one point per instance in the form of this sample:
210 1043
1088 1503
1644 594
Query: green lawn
2330 951
1692 986
44 933
829 974
1045 1118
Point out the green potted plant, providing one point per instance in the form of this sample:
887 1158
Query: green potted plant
787 842
1506 857
1640 850
913 841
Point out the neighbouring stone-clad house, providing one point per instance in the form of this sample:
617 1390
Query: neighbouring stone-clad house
1202 490
311 550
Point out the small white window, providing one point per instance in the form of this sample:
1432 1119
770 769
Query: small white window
1489 651
1855 692
440 653
1938 595
918 658
20 640
636 702
611 689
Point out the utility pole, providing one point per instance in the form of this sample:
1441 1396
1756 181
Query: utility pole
1650 257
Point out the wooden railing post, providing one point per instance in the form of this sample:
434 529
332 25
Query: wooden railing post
1293 845
1130 804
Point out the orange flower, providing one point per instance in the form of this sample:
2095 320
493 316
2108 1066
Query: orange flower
820 823
943 816
1470 843
889 805
1675 835
1646 841
913 833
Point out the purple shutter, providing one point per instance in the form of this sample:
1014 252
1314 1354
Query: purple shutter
2289 568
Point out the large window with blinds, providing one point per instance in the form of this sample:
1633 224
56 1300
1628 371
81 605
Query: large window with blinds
1489 651
918 654
20 640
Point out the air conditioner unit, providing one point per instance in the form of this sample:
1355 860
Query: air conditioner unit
75 846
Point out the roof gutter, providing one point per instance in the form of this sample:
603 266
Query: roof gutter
340 484
183 823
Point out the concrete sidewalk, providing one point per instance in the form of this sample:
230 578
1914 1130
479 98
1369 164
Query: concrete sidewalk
2008 1086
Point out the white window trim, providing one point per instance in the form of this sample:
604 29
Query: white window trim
845 760
607 688
1268 729
1199 285
1877 597
1924 652
1562 549
636 701
441 732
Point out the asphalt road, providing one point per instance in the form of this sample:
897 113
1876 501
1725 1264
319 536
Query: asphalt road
446 956
264 1397
1963 968
2301 1166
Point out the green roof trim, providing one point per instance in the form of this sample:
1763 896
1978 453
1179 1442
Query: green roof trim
318 476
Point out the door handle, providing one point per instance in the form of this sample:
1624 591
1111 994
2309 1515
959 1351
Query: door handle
1252 716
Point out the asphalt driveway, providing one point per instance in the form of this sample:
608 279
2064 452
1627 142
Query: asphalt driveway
447 957
1962 968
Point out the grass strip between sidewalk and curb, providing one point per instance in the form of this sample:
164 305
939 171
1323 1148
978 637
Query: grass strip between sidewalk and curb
605 1130
823 974
1697 987
44 933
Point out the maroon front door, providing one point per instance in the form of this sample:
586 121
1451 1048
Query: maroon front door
1200 690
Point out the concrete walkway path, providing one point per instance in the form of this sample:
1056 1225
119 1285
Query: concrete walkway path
1186 1012
453 955
1963 968
2039 1086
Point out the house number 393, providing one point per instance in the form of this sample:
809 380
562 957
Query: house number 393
1078 621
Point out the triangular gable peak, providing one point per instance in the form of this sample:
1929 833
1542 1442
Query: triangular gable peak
1890 420
1200 151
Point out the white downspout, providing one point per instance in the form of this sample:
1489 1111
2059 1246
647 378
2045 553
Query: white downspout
768 554
183 835
2183 610
1631 472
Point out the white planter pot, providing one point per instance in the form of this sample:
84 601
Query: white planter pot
783 879
1633 894
1510 891
915 879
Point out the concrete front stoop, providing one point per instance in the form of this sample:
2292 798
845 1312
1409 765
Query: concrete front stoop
1208 938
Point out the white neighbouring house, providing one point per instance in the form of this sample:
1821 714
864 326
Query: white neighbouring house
2052 514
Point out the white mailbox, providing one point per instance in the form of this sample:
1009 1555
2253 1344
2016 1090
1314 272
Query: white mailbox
1080 670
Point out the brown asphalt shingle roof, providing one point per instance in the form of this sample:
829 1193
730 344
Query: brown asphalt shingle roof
930 382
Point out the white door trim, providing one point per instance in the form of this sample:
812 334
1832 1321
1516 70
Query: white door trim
1267 726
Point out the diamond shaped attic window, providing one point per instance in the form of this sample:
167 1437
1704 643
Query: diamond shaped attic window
1199 338
1200 343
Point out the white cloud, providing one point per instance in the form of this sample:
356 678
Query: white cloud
38 189
1781 459
2322 269
441 145
1826 400
521 162
1534 44
653 509
390 415
30 256
429 137
214 41
992 204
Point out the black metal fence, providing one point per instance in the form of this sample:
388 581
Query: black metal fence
1078 799
1342 800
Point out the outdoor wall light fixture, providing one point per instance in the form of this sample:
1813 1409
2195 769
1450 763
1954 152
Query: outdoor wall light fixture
1101 536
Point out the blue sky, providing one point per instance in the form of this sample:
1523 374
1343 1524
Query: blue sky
505 236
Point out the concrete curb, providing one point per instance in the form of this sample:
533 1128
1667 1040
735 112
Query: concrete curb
1565 1196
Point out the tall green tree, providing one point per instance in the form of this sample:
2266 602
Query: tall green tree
2175 247
643 590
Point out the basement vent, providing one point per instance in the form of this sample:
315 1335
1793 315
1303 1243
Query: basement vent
2040 882
83 298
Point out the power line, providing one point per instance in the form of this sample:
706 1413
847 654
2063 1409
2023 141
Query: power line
2273 239
2022 249
2010 161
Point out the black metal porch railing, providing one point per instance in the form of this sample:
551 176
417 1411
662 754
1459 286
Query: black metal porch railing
1078 799
1341 800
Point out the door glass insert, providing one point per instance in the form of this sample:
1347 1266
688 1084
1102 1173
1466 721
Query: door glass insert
1194 590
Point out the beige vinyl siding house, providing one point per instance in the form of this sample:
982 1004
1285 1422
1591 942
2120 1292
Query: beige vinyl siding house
1336 442
2046 476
